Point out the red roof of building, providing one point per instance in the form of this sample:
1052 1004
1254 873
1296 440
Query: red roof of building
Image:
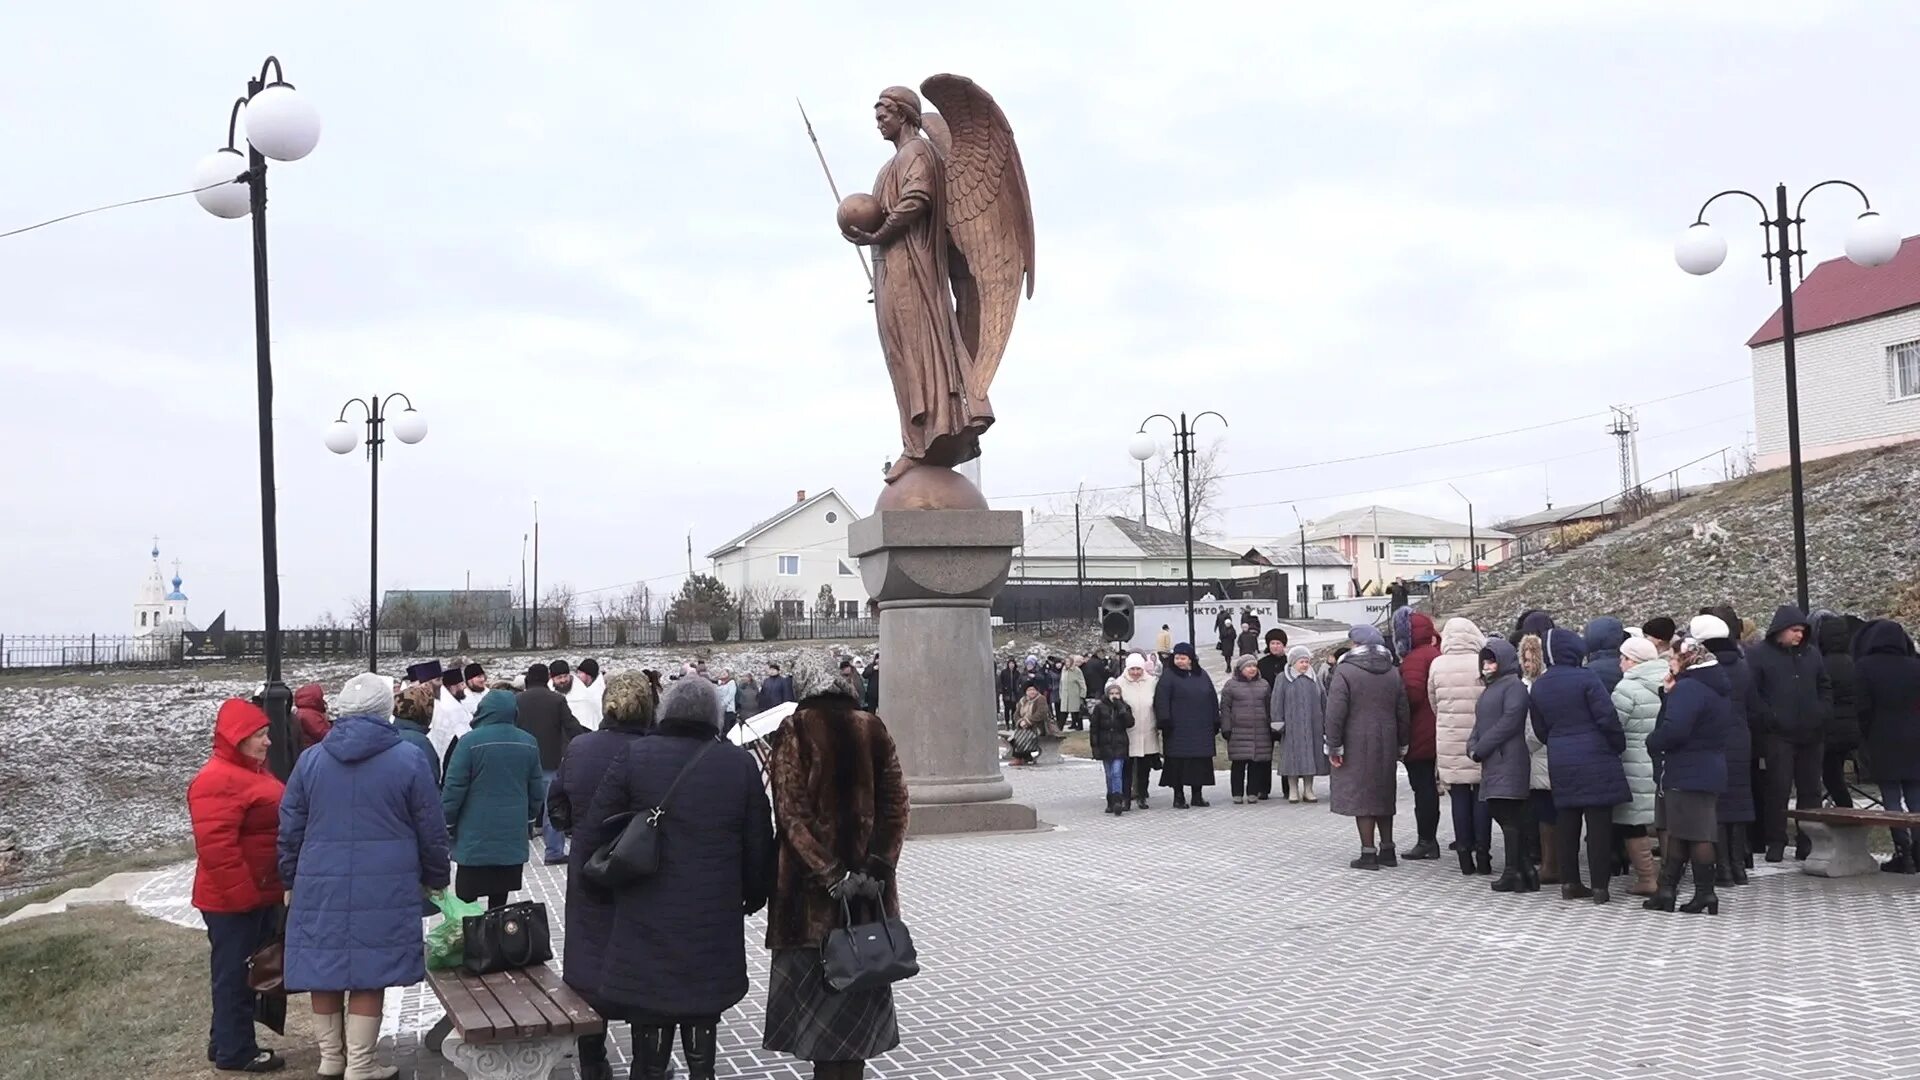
1840 291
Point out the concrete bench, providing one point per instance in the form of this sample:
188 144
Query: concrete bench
1049 748
1839 838
510 1025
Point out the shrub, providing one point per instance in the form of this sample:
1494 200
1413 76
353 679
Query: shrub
564 637
620 633
409 641
233 645
720 628
769 625
518 638
464 643
669 633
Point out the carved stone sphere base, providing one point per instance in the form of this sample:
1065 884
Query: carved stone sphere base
931 487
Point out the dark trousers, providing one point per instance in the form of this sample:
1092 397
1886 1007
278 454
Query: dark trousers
1516 821
1599 825
1472 818
1006 712
1250 778
1792 766
1140 777
1833 775
233 938
1425 783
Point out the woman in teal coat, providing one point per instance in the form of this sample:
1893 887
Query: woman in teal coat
493 789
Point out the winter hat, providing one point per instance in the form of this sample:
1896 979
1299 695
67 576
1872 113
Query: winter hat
1727 617
415 703
1135 660
814 674
690 701
1708 628
1245 660
452 678
366 694
1659 628
1276 634
1299 653
557 668
588 667
1639 650
424 671
1185 649
536 673
474 671
630 700
1366 635
1112 685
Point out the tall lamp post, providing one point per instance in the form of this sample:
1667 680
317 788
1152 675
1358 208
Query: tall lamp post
409 427
1079 554
1305 597
282 125
1142 447
1871 241
1473 539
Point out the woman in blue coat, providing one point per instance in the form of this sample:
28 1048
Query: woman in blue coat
494 788
1186 709
1574 716
1499 745
1691 738
361 836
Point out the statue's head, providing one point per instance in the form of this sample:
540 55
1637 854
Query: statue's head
897 108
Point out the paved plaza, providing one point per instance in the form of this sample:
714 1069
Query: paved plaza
1234 942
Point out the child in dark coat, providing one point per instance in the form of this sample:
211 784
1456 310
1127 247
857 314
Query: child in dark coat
1107 741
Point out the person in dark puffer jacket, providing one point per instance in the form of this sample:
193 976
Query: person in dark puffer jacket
1244 698
1690 737
1795 700
1107 741
1736 810
1604 636
1499 744
1574 716
1887 691
1186 709
676 946
494 787
1833 635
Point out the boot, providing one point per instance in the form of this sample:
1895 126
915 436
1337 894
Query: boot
1902 861
591 1052
1802 846
1672 865
1740 856
1387 856
1704 898
1529 875
1239 800
1424 850
330 1031
652 1053
1305 783
363 1034
1549 857
1368 860
1466 862
1198 800
1483 862
1140 803
1513 876
1110 808
700 1044
1293 791
1723 859
1179 800
1776 852
1646 879
1573 890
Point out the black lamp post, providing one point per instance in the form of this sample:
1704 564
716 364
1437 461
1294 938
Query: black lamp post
1871 241
1306 598
1473 539
281 125
409 427
1142 447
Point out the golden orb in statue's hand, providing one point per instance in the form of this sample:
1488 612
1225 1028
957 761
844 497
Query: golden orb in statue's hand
860 211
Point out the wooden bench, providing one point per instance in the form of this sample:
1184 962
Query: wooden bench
1839 838
510 1025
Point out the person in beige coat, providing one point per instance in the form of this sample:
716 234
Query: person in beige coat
1454 687
1143 739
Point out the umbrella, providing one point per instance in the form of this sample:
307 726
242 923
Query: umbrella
760 725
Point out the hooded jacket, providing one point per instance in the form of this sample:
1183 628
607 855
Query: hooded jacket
1790 684
1636 698
1454 687
234 803
1498 742
1736 799
1833 635
494 787
1143 738
1186 708
1108 729
1533 621
1574 717
415 733
1415 669
310 714
1692 733
1887 694
1243 717
1604 636
361 833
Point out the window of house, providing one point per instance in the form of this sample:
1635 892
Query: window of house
143 618
1326 592
845 570
832 517
1903 370
849 609
789 566
791 609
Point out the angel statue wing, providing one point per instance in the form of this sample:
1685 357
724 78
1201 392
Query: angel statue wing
989 217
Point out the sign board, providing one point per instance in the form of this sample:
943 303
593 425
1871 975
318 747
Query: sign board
1370 610
1417 552
1147 619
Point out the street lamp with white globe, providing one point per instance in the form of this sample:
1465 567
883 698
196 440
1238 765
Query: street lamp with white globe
282 125
409 427
1871 241
1142 447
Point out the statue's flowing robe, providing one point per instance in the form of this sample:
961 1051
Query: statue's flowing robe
926 357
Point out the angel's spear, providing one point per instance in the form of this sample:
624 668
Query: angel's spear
835 188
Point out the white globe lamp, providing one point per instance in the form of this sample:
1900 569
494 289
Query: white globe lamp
410 427
1872 240
340 437
224 196
1700 250
282 124
1141 446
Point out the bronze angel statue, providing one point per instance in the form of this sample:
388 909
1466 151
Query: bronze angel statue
951 229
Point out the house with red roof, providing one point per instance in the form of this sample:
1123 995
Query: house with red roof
1857 351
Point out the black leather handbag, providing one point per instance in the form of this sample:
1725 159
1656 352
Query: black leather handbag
505 938
868 955
636 851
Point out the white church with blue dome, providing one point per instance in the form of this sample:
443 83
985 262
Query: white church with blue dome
160 611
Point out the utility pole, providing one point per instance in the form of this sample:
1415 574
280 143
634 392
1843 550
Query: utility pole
1624 429
533 629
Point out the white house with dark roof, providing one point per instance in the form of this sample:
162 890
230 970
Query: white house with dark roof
1115 548
1384 543
783 561
1329 574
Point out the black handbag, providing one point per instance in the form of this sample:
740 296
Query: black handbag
868 955
636 851
505 938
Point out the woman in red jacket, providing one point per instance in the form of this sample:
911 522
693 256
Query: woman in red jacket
235 806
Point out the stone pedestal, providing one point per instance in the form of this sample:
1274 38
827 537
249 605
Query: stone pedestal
934 574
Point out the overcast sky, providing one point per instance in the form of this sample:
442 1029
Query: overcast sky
593 244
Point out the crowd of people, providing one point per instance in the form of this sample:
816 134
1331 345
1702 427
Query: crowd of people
1652 751
443 781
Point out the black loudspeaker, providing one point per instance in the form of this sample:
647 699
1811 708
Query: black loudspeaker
1116 617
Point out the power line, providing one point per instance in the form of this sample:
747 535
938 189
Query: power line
113 206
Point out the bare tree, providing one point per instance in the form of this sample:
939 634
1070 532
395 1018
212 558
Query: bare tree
632 605
1096 502
357 613
765 596
1164 490
823 604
